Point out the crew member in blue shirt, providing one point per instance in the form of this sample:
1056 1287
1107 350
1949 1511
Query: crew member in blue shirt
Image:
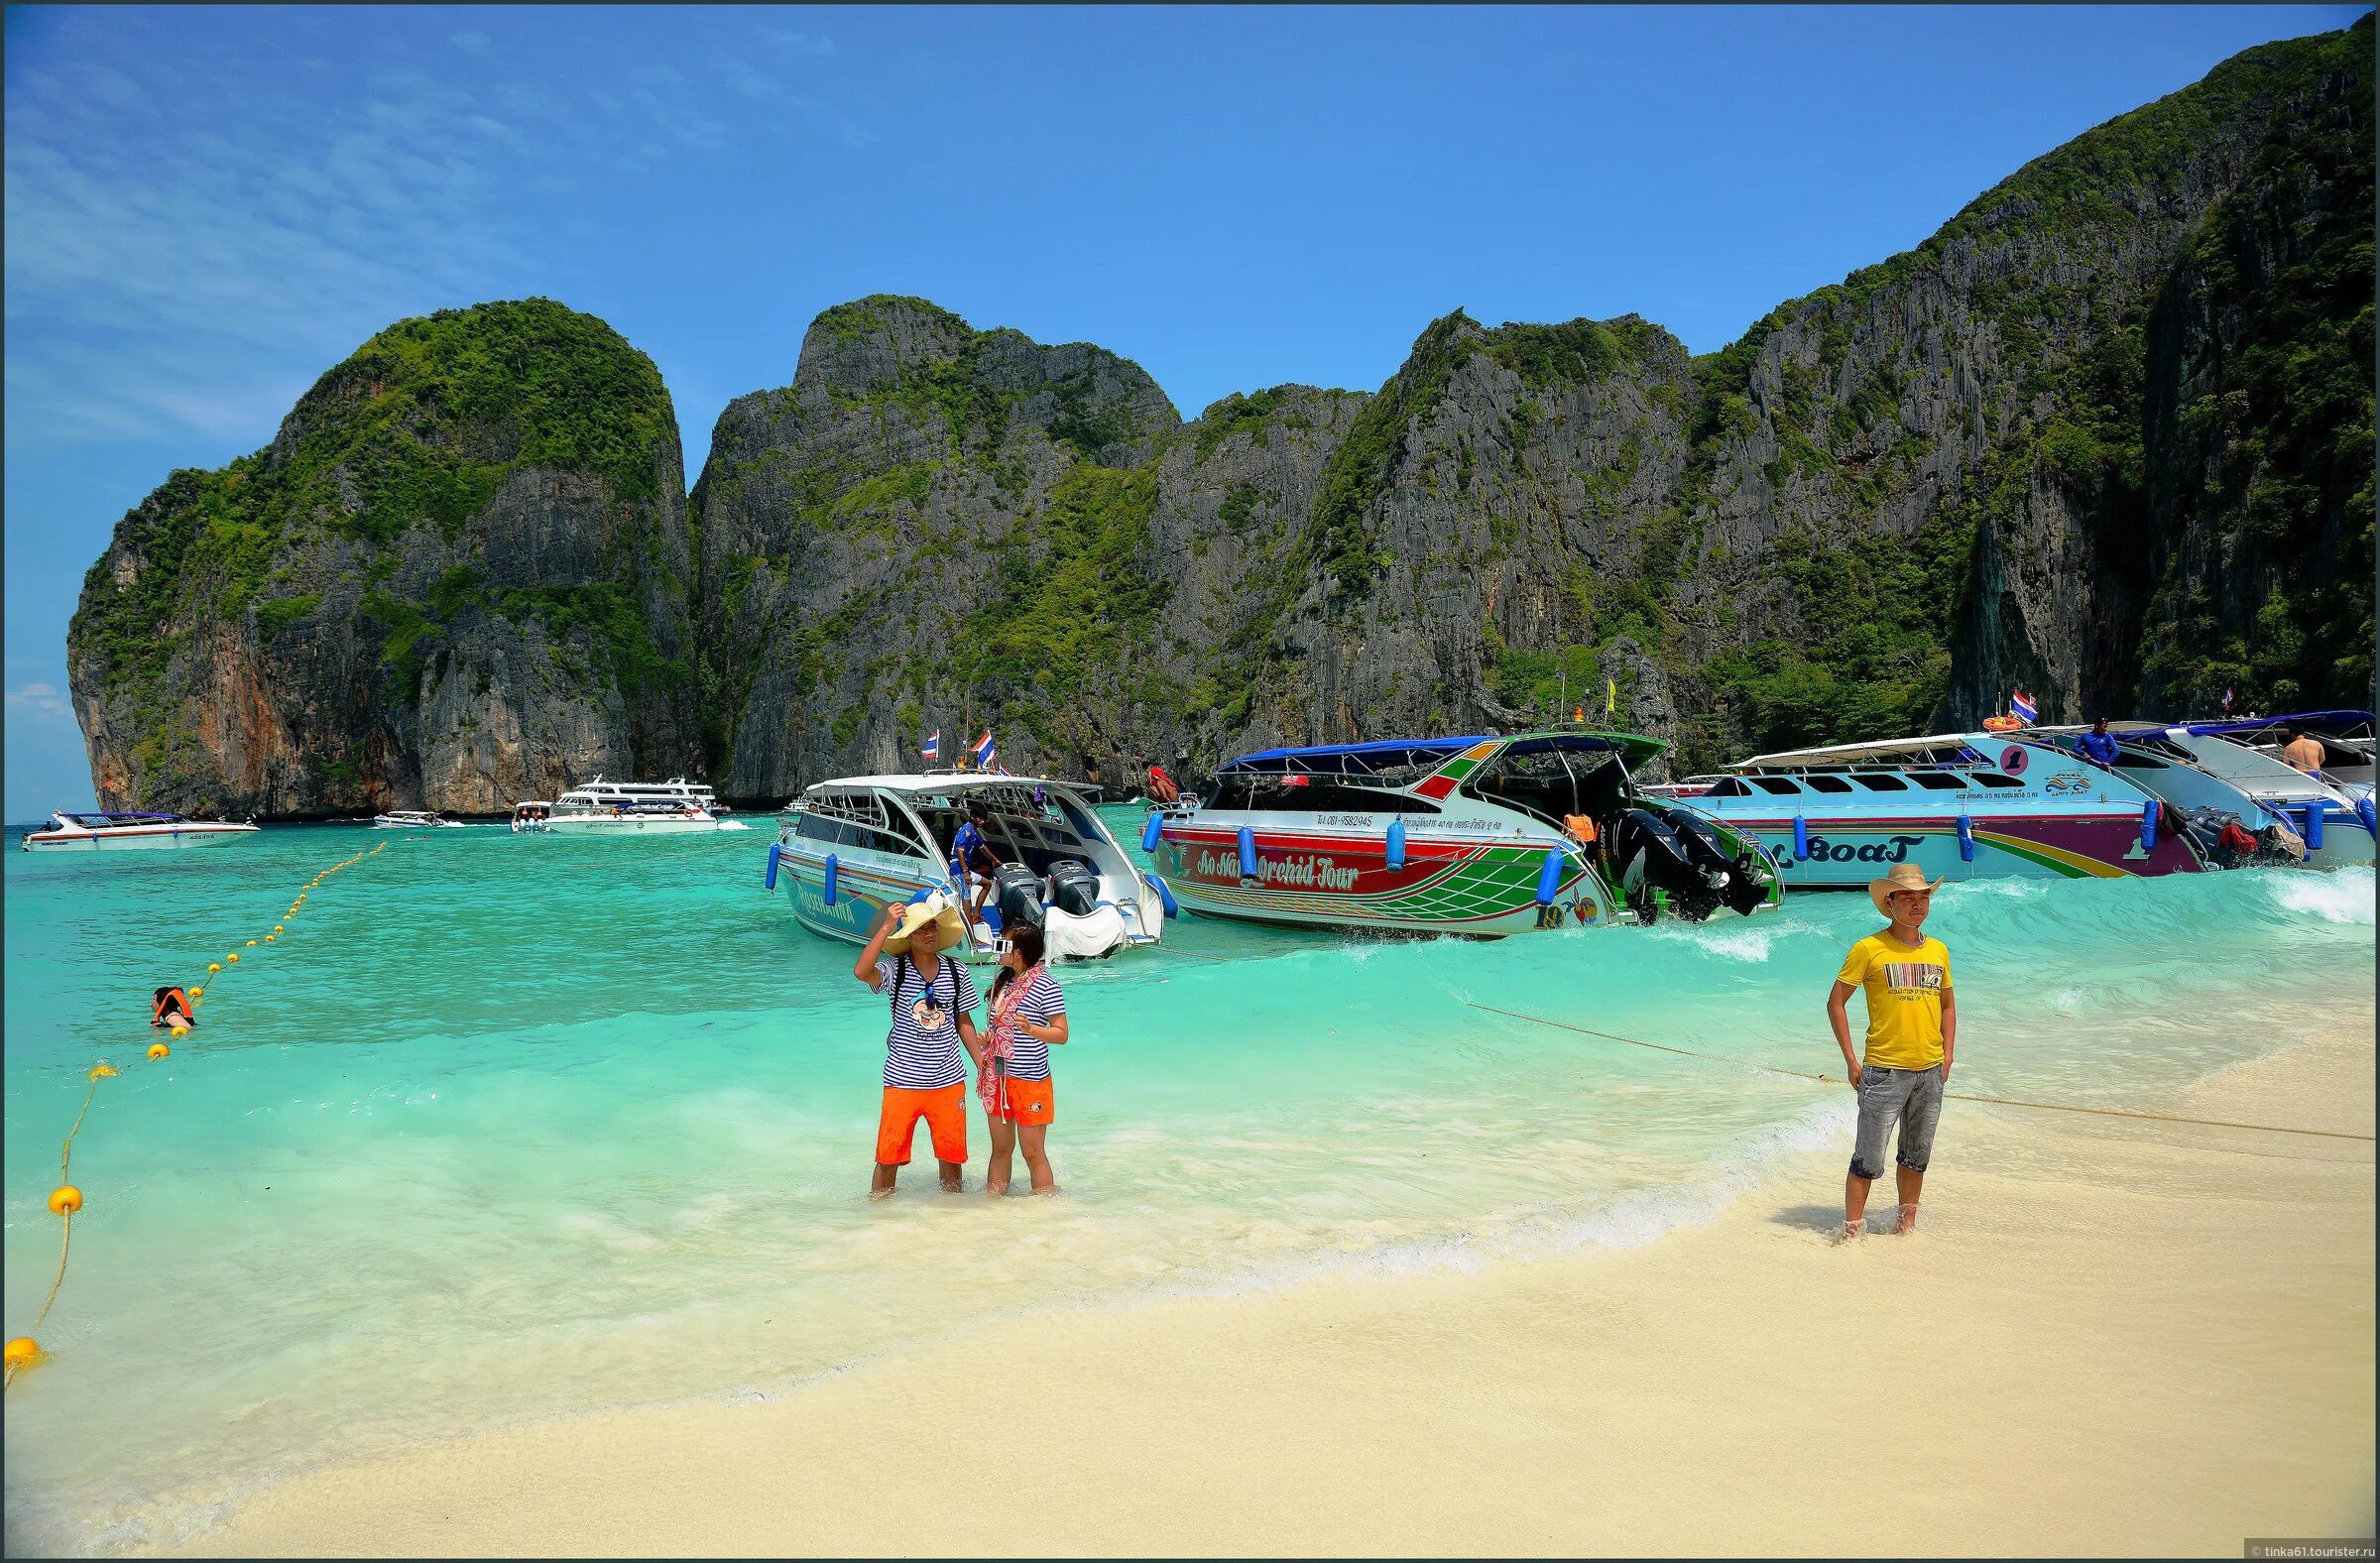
2098 744
976 858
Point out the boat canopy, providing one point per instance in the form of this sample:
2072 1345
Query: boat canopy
1939 749
2318 720
117 817
1386 755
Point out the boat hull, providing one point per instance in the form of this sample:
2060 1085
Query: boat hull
1846 851
606 827
1317 879
863 890
158 839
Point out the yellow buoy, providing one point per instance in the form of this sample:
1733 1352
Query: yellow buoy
269 937
159 1049
21 1351
251 944
64 1199
277 928
181 1031
233 957
214 966
197 992
102 1071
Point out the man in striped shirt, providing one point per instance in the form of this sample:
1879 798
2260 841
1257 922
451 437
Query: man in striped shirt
933 998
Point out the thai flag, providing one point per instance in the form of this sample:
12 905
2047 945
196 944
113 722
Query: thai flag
984 754
933 745
2020 706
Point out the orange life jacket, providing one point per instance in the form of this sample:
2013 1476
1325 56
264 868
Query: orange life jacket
171 999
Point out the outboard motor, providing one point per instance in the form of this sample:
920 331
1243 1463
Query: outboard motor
1073 887
1739 882
1651 858
1019 892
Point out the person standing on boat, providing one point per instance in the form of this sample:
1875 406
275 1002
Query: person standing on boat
933 1002
1027 1015
1912 1033
2305 751
2098 746
977 861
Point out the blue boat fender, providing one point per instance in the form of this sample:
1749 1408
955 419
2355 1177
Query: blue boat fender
1966 839
777 850
2363 812
1165 897
1801 839
1549 878
1247 853
2148 825
1396 844
1152 831
2313 824
834 876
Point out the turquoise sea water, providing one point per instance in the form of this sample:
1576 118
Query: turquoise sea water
507 1127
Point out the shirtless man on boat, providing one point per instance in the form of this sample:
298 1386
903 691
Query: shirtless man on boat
2305 751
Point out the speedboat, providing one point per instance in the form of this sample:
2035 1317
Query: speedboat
1484 836
533 816
413 819
633 809
850 847
1959 805
2205 776
117 831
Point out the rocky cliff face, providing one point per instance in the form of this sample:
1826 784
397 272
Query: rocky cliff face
457 578
2108 433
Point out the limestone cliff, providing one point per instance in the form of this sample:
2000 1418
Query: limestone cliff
456 577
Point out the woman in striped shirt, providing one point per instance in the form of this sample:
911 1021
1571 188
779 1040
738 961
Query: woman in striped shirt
1027 1014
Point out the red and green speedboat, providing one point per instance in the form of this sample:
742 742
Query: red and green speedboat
1479 835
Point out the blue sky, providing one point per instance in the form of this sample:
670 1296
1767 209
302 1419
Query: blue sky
208 208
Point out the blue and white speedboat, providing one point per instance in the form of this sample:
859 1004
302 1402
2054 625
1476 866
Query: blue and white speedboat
1959 805
847 848
2195 768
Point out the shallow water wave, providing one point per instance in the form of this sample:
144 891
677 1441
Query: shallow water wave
506 1127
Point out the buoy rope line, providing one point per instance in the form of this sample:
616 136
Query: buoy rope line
23 1351
1952 1096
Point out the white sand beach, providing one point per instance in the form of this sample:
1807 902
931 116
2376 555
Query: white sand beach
2110 1337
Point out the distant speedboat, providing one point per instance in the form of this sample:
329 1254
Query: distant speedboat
118 832
413 819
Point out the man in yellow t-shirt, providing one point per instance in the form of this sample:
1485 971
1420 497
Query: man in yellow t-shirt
1912 1031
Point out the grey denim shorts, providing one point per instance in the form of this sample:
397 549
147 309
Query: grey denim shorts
1911 1098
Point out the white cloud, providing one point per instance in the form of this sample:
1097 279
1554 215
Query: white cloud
476 45
38 699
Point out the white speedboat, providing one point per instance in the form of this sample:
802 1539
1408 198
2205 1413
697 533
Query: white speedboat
850 847
633 809
533 816
2194 771
97 830
413 819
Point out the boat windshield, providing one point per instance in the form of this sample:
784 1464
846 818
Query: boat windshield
1554 782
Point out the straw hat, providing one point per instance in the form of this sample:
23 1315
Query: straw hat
1904 876
936 908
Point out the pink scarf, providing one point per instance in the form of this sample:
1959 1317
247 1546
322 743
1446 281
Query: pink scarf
992 1082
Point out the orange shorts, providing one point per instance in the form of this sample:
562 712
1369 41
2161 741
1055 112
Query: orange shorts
945 1113
1027 1100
